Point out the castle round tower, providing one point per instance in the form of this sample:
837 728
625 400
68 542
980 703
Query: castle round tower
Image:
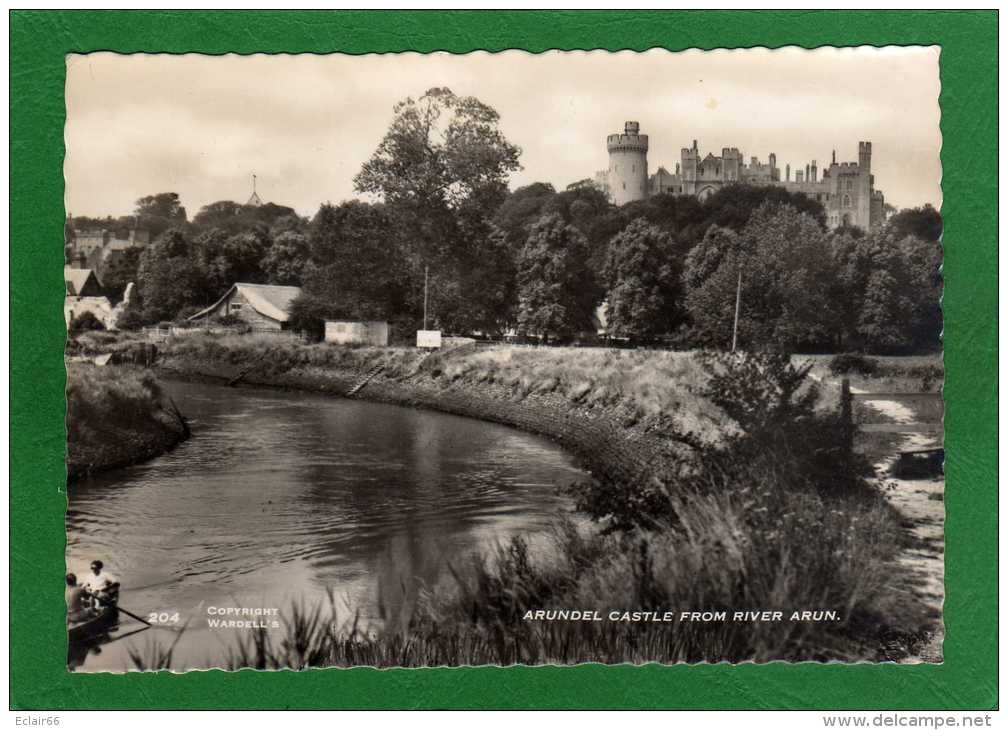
628 172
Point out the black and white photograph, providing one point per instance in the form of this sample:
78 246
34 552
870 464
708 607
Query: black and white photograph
421 360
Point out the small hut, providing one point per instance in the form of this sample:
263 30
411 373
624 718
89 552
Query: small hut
357 332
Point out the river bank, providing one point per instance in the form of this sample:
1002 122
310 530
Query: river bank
697 511
622 413
117 416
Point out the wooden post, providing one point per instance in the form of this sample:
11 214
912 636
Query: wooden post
426 268
738 305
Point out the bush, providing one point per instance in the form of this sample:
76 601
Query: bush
130 319
773 422
85 322
850 362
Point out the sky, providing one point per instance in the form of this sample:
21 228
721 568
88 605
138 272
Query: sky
304 124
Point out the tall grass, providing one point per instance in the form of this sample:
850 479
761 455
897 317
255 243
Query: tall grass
115 416
775 517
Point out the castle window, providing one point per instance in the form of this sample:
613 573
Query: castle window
850 185
633 168
624 186
846 201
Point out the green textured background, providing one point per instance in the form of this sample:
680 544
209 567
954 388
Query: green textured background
39 679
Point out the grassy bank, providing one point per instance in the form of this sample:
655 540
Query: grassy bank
116 416
718 487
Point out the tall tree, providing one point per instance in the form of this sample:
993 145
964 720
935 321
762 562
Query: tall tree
787 274
888 292
169 279
555 295
643 282
288 259
357 264
442 169
157 213
924 223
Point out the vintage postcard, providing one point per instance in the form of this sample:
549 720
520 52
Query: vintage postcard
422 360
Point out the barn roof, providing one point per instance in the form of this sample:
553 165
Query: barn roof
76 280
268 299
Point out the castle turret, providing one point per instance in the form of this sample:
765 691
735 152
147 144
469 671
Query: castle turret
787 172
864 156
628 171
815 173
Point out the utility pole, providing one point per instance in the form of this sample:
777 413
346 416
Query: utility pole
425 269
738 306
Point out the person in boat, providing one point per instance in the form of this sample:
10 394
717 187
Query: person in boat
76 599
101 585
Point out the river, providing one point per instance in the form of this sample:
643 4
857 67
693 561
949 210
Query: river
279 497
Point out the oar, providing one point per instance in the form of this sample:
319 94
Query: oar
133 615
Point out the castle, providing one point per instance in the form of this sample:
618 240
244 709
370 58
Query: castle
846 190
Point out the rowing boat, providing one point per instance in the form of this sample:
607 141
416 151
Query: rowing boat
94 624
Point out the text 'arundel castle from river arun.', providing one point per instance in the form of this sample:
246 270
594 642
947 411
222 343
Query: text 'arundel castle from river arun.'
846 189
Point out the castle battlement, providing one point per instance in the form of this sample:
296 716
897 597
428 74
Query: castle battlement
630 142
851 200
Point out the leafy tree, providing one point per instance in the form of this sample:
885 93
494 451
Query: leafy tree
924 223
227 259
643 282
441 169
555 295
287 260
169 279
233 217
242 255
782 256
888 292
207 251
115 278
157 213
357 262
441 151
520 210
482 294
705 258
733 205
221 214
162 205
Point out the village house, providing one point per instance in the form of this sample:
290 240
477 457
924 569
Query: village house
264 307
84 294
106 252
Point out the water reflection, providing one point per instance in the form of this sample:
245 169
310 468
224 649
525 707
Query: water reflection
284 496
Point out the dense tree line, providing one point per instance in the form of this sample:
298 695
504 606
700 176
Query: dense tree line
436 211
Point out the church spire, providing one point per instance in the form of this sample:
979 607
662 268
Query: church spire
255 200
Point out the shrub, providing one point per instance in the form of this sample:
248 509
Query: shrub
85 322
773 422
130 319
